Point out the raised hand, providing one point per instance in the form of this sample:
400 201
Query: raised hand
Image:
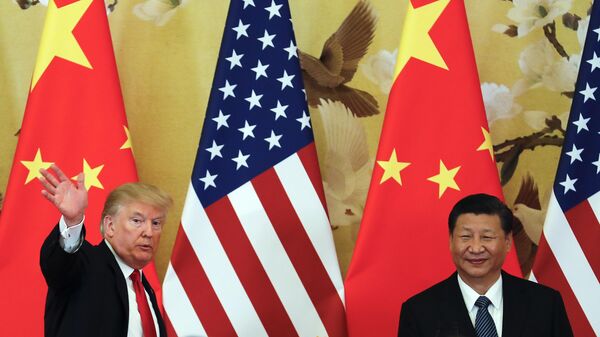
70 198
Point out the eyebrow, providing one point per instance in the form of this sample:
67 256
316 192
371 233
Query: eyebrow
485 230
138 213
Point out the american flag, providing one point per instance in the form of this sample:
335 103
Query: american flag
568 258
254 255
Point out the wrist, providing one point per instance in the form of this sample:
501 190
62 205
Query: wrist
73 221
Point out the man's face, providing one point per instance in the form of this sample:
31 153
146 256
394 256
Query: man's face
134 232
478 246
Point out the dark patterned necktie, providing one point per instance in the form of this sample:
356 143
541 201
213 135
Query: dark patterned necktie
484 324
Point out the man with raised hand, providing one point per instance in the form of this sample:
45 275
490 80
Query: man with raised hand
100 290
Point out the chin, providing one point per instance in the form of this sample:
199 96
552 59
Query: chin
143 260
477 275
475 272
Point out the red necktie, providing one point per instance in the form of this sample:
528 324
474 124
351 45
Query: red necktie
142 304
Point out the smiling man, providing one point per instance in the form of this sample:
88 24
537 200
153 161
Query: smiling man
479 299
100 290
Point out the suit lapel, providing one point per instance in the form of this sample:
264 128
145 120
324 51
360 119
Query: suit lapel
119 279
515 305
121 286
455 311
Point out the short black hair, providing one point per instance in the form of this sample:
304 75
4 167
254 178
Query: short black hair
482 204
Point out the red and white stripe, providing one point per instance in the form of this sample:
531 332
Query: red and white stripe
568 260
259 262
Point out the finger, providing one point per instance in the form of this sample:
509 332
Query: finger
49 197
59 173
81 180
49 177
48 187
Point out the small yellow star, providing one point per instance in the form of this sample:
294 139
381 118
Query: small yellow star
415 41
127 144
58 39
392 168
35 166
91 175
445 178
487 143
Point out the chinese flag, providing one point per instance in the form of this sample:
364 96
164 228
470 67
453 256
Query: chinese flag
435 149
75 118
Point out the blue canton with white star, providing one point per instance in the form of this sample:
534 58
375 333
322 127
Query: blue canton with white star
257 113
578 174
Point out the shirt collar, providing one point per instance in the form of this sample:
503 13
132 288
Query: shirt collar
494 294
125 269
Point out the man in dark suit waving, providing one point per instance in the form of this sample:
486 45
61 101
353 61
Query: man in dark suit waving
100 290
480 300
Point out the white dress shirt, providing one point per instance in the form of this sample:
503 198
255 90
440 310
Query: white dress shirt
70 240
494 294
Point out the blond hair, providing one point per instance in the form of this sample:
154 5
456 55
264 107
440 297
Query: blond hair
135 192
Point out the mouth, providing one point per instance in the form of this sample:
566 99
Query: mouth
146 248
477 262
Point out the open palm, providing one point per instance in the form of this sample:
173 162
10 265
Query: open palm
69 198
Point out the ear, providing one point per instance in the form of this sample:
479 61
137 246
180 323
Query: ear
109 226
509 239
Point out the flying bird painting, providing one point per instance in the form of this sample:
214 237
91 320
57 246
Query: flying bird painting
346 166
326 77
528 223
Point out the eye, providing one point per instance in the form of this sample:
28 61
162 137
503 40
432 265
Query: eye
136 221
156 225
465 237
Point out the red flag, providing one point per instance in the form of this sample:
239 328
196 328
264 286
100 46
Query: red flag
75 118
435 149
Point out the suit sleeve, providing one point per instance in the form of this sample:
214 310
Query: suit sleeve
562 327
61 269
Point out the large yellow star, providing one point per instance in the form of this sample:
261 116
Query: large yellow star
91 175
487 143
445 179
415 41
34 166
127 144
57 37
392 168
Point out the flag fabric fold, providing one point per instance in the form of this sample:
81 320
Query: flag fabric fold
254 254
568 257
75 118
435 148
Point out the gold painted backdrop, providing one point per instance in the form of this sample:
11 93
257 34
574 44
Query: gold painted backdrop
527 51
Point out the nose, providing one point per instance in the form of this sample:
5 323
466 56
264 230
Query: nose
476 246
147 229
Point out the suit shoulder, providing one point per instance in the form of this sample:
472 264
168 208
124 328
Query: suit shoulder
430 295
530 286
525 283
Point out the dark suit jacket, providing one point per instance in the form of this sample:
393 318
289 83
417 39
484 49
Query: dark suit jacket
530 310
87 293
